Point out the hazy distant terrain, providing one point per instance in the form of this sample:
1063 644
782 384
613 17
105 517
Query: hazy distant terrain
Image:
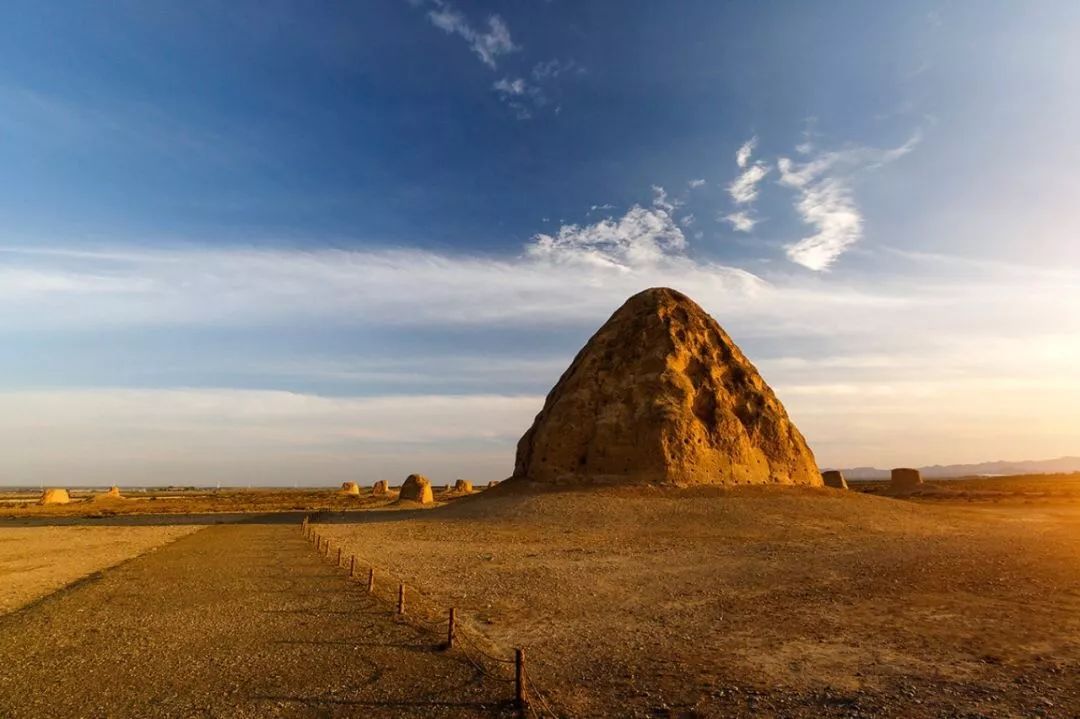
999 468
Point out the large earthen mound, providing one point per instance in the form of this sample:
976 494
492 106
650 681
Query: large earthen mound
380 488
661 394
351 489
905 479
55 496
463 486
416 488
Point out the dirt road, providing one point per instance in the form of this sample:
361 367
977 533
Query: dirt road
240 620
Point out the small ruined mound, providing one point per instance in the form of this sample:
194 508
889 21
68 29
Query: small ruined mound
493 483
380 488
416 488
463 486
905 479
351 489
834 478
55 496
661 394
109 496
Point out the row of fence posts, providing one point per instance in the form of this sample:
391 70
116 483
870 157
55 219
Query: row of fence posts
322 545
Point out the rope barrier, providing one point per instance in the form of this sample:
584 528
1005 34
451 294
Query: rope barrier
461 638
533 691
474 645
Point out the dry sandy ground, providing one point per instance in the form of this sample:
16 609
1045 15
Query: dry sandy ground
755 601
23 505
35 561
238 621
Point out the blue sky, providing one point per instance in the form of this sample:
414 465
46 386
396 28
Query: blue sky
278 242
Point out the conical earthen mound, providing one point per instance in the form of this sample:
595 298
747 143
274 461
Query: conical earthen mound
661 394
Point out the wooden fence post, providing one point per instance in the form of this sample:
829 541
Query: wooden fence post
371 580
352 567
339 556
450 630
519 677
401 598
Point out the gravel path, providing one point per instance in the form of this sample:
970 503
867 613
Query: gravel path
240 620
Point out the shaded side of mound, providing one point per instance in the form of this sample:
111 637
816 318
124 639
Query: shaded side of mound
661 394
834 478
905 479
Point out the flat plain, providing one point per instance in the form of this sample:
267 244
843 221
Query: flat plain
35 561
959 600
759 601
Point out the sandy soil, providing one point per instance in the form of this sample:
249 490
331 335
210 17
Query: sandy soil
22 505
238 621
756 601
35 561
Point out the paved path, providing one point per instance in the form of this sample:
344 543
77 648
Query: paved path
240 620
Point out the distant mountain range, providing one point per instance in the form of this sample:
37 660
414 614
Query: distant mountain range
1001 467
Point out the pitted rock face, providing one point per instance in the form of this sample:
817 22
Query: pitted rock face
661 394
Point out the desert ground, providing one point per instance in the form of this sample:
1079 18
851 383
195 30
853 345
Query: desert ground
959 600
186 500
36 561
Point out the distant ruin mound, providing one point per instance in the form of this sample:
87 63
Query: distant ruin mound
834 478
112 494
905 479
55 496
351 489
416 488
463 486
493 483
661 394
380 488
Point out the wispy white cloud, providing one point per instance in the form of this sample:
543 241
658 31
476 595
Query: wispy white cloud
519 96
523 94
694 184
818 342
742 155
643 237
551 69
615 256
663 202
507 86
744 189
487 44
741 221
825 199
